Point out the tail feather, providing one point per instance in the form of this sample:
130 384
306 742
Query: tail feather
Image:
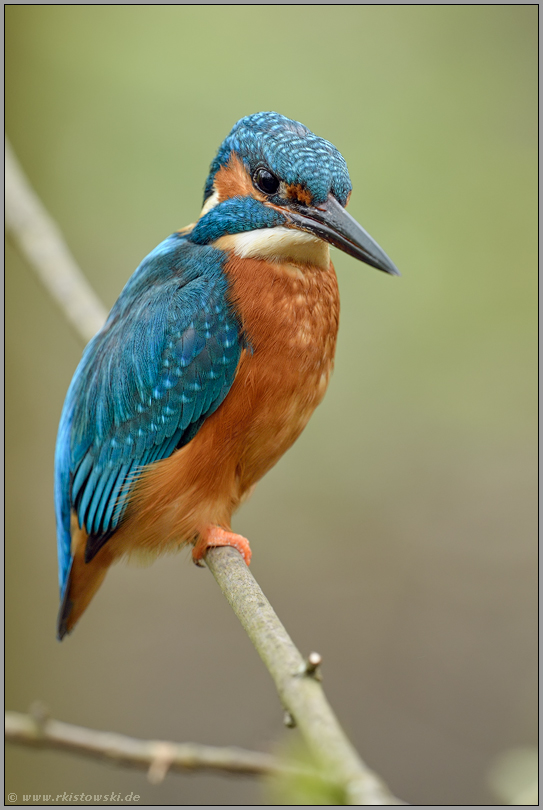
84 579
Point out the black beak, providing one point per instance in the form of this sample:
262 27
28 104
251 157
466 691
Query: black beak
331 222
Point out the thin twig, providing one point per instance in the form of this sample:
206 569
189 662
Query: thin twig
41 243
157 758
297 681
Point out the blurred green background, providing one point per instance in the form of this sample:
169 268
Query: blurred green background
398 536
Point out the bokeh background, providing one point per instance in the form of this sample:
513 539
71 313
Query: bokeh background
398 536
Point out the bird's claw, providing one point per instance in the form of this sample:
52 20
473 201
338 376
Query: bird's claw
215 536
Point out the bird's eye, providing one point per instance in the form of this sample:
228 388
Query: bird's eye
266 181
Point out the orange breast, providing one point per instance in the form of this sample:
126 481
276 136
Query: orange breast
290 315
290 318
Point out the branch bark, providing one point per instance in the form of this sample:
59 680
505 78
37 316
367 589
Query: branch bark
297 681
40 242
156 757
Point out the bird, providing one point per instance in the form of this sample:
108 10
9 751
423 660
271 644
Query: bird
210 363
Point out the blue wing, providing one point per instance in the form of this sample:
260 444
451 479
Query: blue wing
164 361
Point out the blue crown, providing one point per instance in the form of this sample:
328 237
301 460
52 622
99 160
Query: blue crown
289 150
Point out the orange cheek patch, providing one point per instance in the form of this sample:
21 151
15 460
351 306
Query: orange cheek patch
233 180
300 194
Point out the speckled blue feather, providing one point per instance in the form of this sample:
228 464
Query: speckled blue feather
164 361
290 150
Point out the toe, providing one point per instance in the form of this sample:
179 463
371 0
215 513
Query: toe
215 536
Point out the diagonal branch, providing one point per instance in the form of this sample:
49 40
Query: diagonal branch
297 681
41 243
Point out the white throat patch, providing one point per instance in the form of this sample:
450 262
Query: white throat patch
278 244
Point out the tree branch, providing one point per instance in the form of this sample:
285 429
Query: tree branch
297 681
40 242
157 758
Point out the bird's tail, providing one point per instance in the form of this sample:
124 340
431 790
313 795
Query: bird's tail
83 581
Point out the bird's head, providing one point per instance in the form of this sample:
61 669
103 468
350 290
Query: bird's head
276 191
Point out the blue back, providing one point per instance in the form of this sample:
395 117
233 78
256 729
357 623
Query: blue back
163 362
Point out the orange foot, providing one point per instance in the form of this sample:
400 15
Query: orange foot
215 536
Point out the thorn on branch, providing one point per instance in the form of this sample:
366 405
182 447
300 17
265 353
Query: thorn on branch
289 720
311 666
163 756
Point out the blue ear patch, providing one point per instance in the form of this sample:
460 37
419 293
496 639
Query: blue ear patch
235 215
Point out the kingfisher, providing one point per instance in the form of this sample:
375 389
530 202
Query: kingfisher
216 353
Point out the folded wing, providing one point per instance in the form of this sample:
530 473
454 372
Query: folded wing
162 364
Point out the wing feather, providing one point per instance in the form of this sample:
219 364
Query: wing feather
163 362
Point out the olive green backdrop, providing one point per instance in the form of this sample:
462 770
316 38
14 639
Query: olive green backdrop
397 537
